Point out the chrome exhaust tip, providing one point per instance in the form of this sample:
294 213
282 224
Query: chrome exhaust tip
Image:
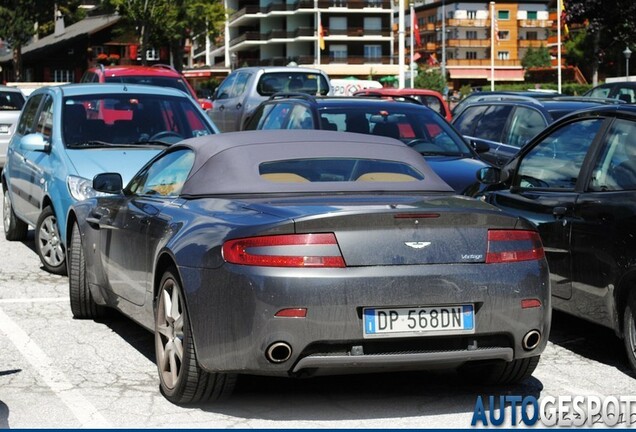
278 352
531 340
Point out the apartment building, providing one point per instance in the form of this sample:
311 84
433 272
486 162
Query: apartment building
457 36
342 37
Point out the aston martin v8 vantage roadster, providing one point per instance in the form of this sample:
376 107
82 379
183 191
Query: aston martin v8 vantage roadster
298 253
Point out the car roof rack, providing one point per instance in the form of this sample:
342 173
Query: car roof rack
589 99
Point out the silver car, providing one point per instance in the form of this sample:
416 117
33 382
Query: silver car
11 103
243 90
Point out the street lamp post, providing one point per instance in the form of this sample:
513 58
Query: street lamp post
627 53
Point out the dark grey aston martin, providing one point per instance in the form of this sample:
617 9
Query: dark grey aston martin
295 253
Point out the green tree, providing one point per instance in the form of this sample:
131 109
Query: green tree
431 79
607 26
536 58
18 19
171 22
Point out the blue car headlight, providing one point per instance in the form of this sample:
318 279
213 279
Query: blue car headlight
82 188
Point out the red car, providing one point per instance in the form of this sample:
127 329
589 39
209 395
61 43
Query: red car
430 98
157 75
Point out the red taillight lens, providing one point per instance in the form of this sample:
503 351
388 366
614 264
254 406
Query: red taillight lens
289 250
513 245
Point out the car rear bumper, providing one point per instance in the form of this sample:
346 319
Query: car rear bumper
232 313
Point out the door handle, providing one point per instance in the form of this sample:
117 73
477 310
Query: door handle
559 211
222 107
239 105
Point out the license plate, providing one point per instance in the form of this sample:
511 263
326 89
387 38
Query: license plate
4 129
418 321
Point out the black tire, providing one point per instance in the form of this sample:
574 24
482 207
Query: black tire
48 243
82 304
188 383
629 330
501 372
14 228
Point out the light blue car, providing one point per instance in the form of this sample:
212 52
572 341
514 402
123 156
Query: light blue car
68 134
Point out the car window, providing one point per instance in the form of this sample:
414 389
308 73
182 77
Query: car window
600 92
242 79
492 123
277 116
615 168
467 120
337 170
525 123
305 82
225 89
165 176
555 162
300 118
27 119
11 101
130 119
45 122
626 94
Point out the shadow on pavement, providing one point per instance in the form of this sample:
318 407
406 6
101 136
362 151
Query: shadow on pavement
589 340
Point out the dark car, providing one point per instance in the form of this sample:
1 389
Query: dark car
622 90
483 96
299 253
430 98
415 125
576 182
505 126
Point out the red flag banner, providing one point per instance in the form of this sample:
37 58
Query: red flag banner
416 31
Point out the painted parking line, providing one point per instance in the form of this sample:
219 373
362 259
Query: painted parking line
34 300
84 411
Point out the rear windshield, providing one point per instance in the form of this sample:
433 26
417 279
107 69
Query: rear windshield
337 170
295 82
177 83
11 101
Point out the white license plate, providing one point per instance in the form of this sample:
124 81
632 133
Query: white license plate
4 129
418 321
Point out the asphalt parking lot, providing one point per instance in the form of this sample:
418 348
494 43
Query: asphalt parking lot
57 372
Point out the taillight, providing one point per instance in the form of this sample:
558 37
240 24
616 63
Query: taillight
513 245
288 250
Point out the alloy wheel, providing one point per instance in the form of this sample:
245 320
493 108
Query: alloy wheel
169 335
50 245
6 212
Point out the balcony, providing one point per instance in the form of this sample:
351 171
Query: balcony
274 34
272 7
453 22
484 63
354 4
527 43
535 23
430 46
468 43
351 60
356 32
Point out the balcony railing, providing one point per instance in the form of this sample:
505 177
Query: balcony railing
275 6
454 22
354 4
529 43
483 62
469 43
352 60
356 31
535 23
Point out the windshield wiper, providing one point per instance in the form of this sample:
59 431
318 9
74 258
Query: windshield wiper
155 142
441 153
97 144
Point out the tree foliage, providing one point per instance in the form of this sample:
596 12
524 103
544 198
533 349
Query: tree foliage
600 30
171 22
533 58
431 79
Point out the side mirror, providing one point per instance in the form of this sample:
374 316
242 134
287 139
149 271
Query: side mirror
215 94
108 182
34 142
489 175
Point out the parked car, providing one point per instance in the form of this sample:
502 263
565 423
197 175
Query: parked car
67 134
156 75
430 98
415 125
11 103
482 96
576 182
505 126
235 100
300 252
622 90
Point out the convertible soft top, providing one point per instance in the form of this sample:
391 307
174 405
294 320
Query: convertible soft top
231 163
